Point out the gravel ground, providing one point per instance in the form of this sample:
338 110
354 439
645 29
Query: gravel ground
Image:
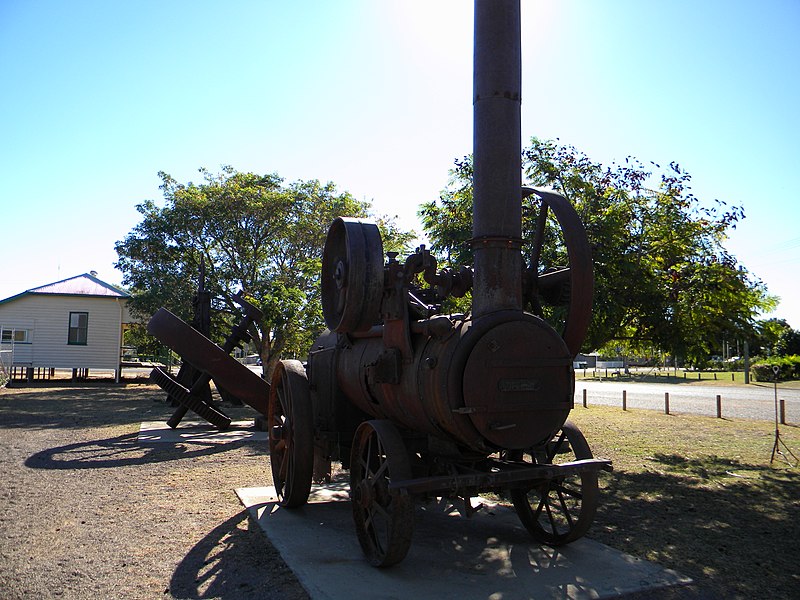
755 401
88 512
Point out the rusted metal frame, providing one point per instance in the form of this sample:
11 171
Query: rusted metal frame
201 321
200 380
394 309
214 361
507 474
190 399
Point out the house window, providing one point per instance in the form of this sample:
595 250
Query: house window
78 328
9 335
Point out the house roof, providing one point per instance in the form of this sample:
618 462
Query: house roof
80 285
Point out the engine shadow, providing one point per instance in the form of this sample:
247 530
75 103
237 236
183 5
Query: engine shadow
87 406
234 560
733 525
126 450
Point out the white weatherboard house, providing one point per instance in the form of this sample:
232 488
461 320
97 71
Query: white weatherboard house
76 323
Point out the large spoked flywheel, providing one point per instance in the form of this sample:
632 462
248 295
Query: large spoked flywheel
561 294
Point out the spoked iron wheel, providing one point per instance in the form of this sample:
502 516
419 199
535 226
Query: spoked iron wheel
384 518
291 433
560 510
565 290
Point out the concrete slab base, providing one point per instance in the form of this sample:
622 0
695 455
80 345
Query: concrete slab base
199 431
489 555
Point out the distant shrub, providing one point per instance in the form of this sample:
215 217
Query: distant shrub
789 368
735 365
727 365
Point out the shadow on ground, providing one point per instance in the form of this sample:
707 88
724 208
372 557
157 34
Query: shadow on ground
126 450
83 406
748 521
234 561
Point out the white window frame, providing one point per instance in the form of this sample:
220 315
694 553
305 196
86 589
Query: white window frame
12 335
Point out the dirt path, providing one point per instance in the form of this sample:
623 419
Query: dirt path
88 512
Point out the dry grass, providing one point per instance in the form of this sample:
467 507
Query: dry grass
699 495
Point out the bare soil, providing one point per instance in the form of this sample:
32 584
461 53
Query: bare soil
88 512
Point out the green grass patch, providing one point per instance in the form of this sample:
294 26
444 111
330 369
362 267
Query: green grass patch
699 495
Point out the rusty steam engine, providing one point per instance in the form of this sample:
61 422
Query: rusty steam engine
418 404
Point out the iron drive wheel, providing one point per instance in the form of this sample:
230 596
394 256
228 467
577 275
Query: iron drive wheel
291 433
560 510
384 518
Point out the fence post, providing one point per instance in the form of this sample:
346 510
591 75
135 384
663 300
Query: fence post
733 378
584 397
666 403
698 376
783 411
719 406
624 400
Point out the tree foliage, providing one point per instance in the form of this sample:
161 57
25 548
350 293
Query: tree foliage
254 233
775 337
663 277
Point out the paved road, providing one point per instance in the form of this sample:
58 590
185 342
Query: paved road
755 401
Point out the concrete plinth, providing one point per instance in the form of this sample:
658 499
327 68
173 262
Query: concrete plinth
489 555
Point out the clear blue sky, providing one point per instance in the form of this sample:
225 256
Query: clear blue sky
97 97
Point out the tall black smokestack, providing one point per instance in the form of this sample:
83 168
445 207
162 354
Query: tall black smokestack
497 146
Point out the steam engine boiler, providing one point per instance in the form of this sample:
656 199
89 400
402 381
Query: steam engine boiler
417 403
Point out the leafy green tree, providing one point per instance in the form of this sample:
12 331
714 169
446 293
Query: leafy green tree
662 275
254 233
775 337
791 341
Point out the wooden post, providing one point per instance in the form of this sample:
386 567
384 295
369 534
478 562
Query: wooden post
783 411
746 362
666 403
584 398
624 400
719 406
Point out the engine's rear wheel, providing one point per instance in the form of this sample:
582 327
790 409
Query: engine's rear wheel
560 510
384 518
